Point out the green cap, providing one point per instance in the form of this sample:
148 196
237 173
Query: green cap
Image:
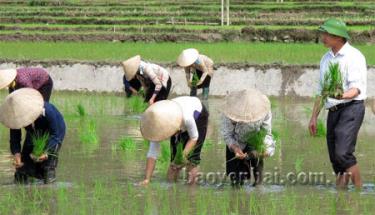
335 27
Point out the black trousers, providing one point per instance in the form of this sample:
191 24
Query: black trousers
33 169
46 89
342 131
206 82
195 156
162 95
240 170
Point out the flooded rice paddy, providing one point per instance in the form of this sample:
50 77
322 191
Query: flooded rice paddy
103 157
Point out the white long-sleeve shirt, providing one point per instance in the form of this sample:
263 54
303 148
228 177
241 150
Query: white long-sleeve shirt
157 74
191 108
354 72
235 132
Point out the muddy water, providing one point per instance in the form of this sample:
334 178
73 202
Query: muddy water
297 155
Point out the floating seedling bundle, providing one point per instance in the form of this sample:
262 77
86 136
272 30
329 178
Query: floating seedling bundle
332 84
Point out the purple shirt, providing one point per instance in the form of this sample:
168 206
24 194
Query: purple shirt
31 77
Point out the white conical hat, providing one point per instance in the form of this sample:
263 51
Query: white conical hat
247 106
131 66
187 57
7 76
161 120
21 108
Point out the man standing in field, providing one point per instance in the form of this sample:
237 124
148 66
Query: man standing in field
346 111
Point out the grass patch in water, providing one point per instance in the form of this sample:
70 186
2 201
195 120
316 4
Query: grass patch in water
80 109
298 163
136 104
125 144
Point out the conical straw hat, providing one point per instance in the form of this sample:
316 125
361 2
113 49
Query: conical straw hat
187 57
161 120
21 108
247 106
131 66
7 76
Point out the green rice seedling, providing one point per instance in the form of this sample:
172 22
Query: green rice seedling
179 157
136 104
39 141
127 144
195 80
321 130
298 164
332 85
89 134
256 140
80 109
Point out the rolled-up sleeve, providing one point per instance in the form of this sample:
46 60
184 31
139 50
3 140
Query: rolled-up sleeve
192 129
154 78
154 150
356 75
227 131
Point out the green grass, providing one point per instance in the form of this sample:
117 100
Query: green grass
88 134
136 104
81 110
126 144
179 157
39 143
233 52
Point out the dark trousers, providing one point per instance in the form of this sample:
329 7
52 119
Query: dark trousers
342 131
195 156
30 168
162 95
46 89
240 170
134 83
205 84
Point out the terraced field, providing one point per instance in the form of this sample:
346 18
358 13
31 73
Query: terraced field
167 20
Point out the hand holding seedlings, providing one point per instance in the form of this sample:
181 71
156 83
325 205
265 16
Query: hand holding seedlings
39 159
17 160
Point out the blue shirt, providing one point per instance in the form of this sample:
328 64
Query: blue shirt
51 122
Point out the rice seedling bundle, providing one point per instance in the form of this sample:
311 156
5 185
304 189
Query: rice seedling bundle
256 140
39 141
195 80
332 85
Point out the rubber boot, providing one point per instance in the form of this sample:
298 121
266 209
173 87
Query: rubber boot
205 93
193 91
20 178
49 176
